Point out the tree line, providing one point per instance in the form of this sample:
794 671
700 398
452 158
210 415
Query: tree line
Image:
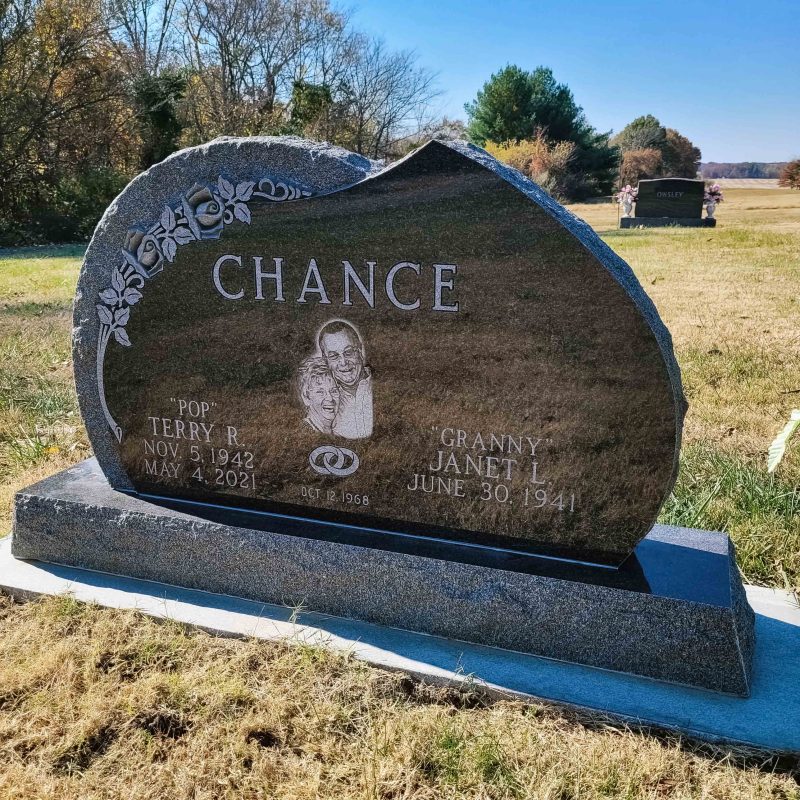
93 91
533 122
742 169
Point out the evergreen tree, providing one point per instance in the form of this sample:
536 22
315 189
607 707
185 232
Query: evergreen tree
643 133
516 105
503 109
309 103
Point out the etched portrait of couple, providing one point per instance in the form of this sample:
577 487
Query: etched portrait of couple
334 384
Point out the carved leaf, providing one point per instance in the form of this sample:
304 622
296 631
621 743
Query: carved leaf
242 213
244 190
168 219
121 316
117 281
183 235
105 315
169 248
132 277
122 337
109 296
132 296
226 188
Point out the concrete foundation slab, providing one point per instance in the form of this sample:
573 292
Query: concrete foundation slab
768 721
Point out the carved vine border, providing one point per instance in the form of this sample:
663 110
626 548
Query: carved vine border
202 214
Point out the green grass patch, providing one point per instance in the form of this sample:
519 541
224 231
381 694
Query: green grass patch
735 494
723 247
28 309
38 406
39 275
460 757
713 364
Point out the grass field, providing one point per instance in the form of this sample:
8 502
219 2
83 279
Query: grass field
96 703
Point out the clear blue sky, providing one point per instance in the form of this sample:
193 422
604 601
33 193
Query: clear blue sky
725 73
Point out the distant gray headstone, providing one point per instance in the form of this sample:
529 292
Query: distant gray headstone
678 198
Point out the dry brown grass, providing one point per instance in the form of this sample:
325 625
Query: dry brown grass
97 703
730 299
104 704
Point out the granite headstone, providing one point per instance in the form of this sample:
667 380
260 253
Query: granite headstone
670 197
431 350
669 201
424 395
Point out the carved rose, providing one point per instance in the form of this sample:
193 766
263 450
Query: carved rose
143 253
204 210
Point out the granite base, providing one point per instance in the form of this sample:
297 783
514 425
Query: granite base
665 222
675 611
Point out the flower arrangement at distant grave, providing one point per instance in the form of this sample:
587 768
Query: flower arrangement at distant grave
712 196
626 197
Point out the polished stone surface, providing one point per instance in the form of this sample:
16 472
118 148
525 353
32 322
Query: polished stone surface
438 349
670 197
677 612
769 720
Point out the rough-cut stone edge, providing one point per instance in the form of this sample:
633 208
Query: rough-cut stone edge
742 620
75 518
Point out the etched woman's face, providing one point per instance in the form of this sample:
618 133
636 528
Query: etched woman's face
322 398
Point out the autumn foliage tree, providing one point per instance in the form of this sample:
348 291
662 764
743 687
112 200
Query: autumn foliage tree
637 165
681 159
91 91
649 150
62 113
547 163
790 176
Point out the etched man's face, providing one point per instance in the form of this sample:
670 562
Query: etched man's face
322 397
343 355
